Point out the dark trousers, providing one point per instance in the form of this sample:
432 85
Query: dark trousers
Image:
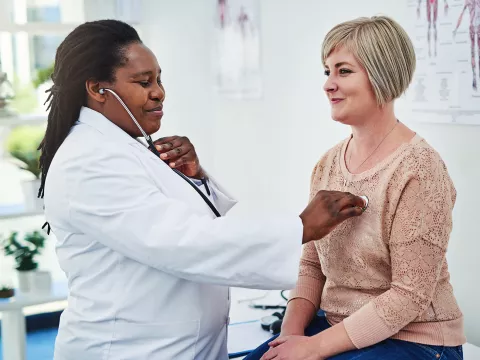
388 349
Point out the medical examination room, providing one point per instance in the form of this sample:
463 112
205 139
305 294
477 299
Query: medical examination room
239 179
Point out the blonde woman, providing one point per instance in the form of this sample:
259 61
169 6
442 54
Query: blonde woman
382 279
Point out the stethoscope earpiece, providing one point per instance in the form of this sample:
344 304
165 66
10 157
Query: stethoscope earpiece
101 91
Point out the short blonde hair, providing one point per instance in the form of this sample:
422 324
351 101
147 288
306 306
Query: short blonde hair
382 47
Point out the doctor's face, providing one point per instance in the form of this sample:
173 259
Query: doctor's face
139 85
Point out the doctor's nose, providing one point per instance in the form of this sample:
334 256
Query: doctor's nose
158 93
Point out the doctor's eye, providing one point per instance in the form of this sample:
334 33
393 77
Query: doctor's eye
144 83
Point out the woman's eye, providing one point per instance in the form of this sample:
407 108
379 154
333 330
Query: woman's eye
327 72
159 82
345 71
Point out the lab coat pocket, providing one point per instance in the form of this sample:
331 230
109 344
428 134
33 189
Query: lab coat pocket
154 341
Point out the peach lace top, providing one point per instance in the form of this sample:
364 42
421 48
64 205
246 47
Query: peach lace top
385 274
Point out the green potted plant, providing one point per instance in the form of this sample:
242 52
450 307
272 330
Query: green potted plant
24 252
6 292
41 83
6 94
44 75
22 145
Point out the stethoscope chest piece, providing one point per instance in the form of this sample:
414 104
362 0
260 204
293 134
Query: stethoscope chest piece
365 199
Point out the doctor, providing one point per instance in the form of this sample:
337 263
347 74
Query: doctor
147 261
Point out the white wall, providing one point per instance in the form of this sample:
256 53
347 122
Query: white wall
264 150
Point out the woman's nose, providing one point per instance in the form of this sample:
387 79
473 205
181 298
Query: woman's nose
330 86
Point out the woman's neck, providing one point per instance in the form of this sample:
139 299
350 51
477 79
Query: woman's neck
370 132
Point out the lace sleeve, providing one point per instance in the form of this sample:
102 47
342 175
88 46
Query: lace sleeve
418 243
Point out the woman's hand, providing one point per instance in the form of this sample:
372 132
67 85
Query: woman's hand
180 154
293 348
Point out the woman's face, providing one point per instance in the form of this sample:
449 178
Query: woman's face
348 88
138 84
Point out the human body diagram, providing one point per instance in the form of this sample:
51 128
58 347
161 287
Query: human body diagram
473 7
432 17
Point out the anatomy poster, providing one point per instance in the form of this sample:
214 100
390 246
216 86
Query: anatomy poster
446 36
237 49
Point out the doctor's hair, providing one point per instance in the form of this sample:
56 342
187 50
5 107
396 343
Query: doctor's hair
93 50
382 47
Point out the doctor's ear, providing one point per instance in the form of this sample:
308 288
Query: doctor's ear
95 91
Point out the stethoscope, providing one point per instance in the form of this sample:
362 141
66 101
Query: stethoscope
154 150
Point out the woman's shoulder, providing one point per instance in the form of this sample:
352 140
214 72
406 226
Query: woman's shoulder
421 157
421 162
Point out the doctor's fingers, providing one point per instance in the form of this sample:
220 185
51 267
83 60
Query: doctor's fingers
349 212
189 158
172 142
165 140
348 200
177 152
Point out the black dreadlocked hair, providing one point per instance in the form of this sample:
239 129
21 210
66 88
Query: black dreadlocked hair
93 50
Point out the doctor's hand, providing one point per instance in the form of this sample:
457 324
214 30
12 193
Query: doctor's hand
327 210
180 154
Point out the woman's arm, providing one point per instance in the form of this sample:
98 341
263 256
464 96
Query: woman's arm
299 314
305 298
418 243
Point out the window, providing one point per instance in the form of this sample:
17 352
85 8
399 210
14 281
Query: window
30 32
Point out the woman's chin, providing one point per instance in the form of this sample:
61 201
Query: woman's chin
342 118
339 118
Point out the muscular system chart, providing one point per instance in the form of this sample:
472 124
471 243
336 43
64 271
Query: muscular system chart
446 36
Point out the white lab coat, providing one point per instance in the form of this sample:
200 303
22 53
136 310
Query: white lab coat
147 262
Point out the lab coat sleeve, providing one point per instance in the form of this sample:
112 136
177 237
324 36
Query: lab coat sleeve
220 197
116 203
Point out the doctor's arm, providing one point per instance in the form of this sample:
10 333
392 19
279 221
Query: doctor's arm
116 203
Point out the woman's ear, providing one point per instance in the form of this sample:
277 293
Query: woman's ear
93 90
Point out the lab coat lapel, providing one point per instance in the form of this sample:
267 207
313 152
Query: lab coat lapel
100 123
